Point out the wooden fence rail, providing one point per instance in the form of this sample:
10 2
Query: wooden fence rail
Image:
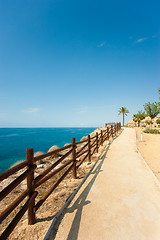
76 150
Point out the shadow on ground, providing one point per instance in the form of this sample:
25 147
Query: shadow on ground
79 203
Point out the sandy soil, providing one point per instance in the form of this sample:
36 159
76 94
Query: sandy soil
150 150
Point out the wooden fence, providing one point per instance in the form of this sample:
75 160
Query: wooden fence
78 152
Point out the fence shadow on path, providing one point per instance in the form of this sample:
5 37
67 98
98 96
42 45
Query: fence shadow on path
81 202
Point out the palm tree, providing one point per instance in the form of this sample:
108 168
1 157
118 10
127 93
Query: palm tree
159 97
124 111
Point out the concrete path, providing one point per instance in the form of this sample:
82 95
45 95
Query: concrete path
119 201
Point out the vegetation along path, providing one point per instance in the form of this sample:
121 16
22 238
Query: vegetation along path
119 201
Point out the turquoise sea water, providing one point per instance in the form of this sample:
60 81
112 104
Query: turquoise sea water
14 141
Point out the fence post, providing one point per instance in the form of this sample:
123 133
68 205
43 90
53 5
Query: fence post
101 138
89 149
115 129
112 131
97 140
30 186
74 158
108 133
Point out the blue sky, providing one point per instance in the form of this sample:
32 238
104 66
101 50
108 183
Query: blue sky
75 63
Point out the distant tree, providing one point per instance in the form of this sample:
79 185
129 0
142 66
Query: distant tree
139 117
135 119
152 109
123 111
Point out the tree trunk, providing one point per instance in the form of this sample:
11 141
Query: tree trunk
123 119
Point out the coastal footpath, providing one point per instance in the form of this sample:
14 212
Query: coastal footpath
120 200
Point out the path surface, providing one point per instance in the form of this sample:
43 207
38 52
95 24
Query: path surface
119 201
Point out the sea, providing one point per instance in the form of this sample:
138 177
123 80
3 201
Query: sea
14 141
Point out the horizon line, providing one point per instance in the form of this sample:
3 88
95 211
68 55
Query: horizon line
55 127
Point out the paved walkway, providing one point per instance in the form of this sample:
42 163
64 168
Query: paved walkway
119 201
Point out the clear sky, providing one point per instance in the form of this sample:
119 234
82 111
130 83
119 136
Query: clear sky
75 63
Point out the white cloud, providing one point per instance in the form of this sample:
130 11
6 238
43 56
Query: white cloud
141 40
145 38
101 44
32 110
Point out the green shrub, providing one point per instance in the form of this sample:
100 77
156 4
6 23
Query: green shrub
158 121
153 131
149 122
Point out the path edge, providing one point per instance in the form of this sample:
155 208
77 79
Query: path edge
146 164
68 201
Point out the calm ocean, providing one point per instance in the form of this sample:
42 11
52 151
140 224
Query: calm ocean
14 141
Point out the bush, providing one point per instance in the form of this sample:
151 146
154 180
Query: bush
149 122
153 131
158 121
